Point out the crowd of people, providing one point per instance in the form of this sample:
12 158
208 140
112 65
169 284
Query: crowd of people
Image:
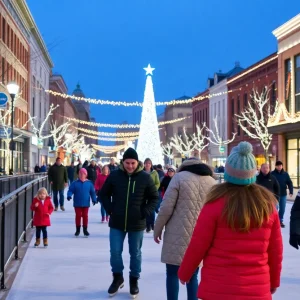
230 231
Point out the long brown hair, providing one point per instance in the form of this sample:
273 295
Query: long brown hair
245 207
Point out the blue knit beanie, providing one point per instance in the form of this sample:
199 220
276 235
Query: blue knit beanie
240 167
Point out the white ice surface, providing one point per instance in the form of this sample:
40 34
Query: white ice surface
78 268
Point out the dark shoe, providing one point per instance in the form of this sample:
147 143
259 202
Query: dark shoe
77 231
56 209
85 232
118 283
62 208
152 227
282 225
134 288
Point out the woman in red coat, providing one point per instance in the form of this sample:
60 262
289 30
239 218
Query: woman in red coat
43 208
237 236
98 186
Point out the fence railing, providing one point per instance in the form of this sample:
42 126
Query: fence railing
15 218
11 182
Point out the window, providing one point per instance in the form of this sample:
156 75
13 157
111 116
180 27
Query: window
297 83
238 110
287 80
273 96
3 30
180 115
180 130
245 100
232 115
3 70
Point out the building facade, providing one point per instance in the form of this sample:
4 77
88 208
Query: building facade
41 65
286 122
15 66
262 74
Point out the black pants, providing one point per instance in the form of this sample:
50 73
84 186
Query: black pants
38 232
150 221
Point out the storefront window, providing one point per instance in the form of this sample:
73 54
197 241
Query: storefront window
297 83
287 90
293 152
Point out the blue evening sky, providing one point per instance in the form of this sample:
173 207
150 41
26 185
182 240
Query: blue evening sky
104 44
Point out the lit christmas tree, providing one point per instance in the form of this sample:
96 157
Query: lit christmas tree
148 142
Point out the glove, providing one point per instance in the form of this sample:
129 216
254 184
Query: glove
295 241
69 198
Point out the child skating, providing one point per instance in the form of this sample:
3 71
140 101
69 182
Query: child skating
83 190
43 208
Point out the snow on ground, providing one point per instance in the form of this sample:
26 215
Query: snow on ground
78 268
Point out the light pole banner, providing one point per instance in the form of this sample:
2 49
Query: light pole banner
3 100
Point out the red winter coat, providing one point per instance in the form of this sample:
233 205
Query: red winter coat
42 212
236 265
100 181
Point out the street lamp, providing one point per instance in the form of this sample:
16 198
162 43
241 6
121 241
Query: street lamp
13 90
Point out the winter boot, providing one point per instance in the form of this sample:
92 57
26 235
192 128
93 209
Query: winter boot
62 208
56 209
45 243
85 232
134 288
37 242
148 229
107 219
77 230
118 283
103 220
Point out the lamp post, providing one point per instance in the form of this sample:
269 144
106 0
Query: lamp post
13 90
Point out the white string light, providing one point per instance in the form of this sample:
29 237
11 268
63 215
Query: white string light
110 139
116 134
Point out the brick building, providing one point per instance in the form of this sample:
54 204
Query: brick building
286 123
261 74
15 66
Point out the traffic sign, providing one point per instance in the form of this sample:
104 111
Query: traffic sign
222 149
3 100
5 134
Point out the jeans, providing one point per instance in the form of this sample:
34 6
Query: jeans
150 221
135 241
61 197
81 212
282 204
103 212
38 232
173 284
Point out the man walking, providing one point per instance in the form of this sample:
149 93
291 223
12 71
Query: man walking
92 171
267 180
129 196
284 181
112 166
71 172
57 175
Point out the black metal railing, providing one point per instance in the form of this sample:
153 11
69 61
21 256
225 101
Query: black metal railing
15 219
10 183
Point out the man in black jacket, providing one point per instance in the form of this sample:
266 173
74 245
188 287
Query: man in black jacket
92 171
295 223
128 196
284 181
267 180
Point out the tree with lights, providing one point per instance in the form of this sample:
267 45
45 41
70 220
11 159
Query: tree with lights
256 116
199 138
149 142
184 143
167 150
215 137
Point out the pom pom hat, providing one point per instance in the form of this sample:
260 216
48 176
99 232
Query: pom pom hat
240 167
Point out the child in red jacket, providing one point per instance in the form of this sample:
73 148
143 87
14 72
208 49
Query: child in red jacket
237 236
43 208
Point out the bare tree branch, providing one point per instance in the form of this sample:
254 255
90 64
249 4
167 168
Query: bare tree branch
183 144
199 138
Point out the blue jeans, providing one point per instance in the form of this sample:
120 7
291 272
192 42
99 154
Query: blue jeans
103 212
61 198
282 204
135 241
173 284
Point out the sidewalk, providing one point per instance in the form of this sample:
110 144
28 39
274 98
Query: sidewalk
78 268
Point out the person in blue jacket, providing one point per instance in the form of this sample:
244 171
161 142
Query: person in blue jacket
295 223
284 181
83 190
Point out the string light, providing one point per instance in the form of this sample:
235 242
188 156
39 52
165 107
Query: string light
123 125
109 149
288 117
136 103
110 139
117 134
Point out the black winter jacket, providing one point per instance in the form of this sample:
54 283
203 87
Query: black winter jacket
284 180
92 173
269 182
295 220
129 199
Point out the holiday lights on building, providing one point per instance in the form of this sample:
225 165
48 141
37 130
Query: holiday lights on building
148 142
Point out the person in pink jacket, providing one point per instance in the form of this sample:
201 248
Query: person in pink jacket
98 186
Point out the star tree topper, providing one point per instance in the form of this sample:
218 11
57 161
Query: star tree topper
149 70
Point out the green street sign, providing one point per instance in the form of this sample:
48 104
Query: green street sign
222 149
